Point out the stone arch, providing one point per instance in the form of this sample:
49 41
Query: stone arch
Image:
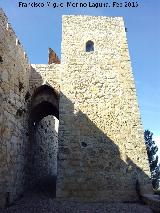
44 101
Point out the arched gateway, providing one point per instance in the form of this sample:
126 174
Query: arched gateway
45 101
43 138
101 150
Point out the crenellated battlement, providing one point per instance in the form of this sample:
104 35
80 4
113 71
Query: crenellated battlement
14 87
101 150
7 34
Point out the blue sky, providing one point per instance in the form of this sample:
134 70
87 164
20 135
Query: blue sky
40 28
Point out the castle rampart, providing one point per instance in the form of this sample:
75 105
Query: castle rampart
101 150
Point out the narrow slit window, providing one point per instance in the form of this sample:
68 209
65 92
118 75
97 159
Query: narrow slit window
89 46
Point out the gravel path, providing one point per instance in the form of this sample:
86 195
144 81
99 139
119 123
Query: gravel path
43 203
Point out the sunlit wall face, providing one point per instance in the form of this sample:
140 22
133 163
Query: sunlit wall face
101 143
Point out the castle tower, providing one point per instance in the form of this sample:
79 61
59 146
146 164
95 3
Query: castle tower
102 155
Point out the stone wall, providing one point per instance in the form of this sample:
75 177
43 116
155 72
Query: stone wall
102 155
45 150
14 85
46 146
44 90
43 74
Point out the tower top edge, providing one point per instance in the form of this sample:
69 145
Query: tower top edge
89 16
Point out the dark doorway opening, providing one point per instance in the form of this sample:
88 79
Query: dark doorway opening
42 161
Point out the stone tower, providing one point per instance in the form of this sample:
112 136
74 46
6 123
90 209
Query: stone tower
102 155
101 150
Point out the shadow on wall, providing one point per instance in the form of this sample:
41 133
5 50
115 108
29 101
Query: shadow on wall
44 102
91 167
90 164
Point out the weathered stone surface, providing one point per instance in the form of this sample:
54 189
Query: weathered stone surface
45 149
99 116
53 58
14 83
101 151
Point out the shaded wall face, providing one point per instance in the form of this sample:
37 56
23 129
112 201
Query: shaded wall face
14 80
45 149
45 74
44 87
102 153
